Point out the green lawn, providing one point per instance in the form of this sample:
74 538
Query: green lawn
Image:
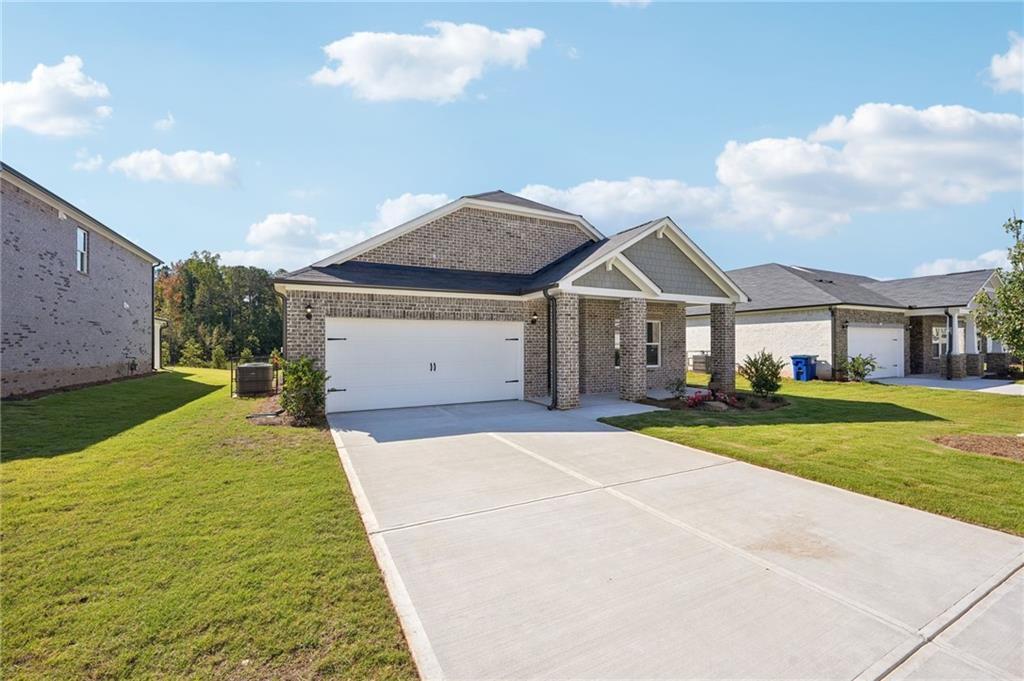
150 531
873 439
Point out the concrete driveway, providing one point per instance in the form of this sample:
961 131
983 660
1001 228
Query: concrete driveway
980 385
520 543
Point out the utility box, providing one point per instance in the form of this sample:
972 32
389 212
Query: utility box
805 367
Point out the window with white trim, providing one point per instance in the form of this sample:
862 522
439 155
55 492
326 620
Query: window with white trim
652 345
940 341
82 251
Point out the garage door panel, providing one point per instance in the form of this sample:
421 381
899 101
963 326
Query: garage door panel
884 343
380 364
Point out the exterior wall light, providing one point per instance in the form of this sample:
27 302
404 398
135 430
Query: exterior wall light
533 319
309 311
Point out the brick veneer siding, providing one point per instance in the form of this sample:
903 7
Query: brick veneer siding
61 328
567 337
841 335
673 344
973 364
723 347
306 337
481 240
956 366
997 363
597 346
632 348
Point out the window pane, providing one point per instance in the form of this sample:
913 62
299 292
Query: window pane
653 355
650 332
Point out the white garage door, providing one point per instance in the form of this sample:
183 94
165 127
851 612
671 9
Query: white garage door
885 343
385 363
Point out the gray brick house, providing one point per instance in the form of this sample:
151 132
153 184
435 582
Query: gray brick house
907 324
494 296
76 297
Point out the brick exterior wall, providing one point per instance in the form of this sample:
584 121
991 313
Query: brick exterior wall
481 240
567 382
306 337
956 366
632 348
673 344
723 348
597 346
59 327
973 364
997 363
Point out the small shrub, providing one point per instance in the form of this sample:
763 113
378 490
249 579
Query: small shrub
303 393
191 354
858 368
218 358
245 356
276 358
677 387
764 371
753 403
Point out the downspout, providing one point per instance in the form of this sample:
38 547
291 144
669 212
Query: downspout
552 354
284 321
949 345
832 343
152 321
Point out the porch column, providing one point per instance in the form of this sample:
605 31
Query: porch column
972 360
565 388
956 364
633 349
723 347
996 361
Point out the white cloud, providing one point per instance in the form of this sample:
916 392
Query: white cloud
573 53
630 3
57 100
291 240
194 167
987 260
164 124
85 162
883 157
394 66
1006 71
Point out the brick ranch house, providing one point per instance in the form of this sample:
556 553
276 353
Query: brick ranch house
77 297
494 296
907 324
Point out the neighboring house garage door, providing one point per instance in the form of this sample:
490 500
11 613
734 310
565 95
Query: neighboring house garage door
385 363
885 343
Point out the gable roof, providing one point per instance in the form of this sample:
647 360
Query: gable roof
498 201
37 190
776 287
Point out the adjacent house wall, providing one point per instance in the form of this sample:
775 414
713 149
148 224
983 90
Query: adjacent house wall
783 333
306 337
481 240
60 327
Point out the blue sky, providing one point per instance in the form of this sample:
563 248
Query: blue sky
722 116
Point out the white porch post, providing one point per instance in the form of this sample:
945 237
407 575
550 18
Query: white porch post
954 335
971 336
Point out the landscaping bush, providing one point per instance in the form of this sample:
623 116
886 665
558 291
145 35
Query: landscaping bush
245 356
303 393
276 358
191 354
677 387
858 368
218 358
764 371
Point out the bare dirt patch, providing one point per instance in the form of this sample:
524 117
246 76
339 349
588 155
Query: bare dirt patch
268 412
1007 446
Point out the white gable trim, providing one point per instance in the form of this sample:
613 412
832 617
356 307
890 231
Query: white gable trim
665 227
447 209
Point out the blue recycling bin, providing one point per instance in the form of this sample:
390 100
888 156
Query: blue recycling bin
805 367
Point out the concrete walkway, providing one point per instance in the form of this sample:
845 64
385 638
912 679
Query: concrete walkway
522 543
982 385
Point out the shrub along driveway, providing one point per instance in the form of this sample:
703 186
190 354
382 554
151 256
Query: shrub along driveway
149 531
522 543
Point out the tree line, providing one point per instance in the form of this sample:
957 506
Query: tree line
216 312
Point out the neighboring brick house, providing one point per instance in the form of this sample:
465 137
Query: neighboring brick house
904 323
77 297
494 296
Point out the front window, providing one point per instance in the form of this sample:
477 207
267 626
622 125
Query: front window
653 344
82 251
940 341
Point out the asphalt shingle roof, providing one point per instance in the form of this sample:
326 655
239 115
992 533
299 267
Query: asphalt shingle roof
499 196
942 290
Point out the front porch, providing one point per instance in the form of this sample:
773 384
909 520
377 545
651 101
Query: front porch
935 349
629 348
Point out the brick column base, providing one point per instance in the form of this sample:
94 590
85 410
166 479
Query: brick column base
972 365
996 363
566 388
956 366
633 349
723 348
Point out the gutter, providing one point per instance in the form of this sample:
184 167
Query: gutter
552 354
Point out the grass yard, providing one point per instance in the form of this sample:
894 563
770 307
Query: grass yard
149 531
869 438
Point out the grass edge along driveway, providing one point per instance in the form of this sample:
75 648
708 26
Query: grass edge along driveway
149 530
869 438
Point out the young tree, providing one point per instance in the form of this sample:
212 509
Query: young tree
1001 315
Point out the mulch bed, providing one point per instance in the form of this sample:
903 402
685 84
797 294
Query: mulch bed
746 401
268 412
1007 446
